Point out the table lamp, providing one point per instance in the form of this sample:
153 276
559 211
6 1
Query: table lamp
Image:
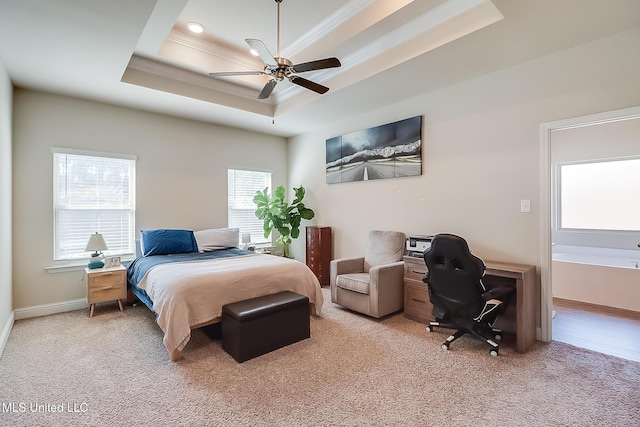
96 243
246 239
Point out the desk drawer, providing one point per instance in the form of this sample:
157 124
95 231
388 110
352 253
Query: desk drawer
416 301
415 270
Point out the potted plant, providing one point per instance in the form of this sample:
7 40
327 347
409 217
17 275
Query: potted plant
277 214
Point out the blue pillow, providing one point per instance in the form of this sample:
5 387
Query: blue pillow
165 242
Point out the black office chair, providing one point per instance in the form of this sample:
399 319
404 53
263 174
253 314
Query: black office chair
460 299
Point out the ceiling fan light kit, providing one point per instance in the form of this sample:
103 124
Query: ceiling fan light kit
279 68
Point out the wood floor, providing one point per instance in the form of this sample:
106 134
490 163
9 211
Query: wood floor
598 328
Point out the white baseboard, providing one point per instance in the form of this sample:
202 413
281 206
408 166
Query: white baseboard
47 309
4 336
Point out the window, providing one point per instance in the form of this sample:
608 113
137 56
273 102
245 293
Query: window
602 195
92 192
242 187
597 202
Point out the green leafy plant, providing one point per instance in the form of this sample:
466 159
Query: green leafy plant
278 214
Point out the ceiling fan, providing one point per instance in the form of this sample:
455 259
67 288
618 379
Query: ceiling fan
279 68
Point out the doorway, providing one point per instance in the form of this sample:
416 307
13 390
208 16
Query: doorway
546 181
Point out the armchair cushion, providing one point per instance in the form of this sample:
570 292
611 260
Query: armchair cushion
356 282
385 247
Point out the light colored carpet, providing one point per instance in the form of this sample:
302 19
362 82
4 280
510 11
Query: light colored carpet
354 371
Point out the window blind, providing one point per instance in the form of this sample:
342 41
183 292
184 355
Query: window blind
92 193
242 187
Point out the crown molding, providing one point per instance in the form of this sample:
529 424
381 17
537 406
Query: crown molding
181 74
327 26
215 49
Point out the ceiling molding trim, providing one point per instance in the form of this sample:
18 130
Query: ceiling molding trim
191 93
435 18
413 29
327 26
218 51
186 76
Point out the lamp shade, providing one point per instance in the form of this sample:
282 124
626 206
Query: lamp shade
246 237
96 243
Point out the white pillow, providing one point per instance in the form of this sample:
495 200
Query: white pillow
217 238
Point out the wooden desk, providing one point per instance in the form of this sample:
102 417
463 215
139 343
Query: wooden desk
520 316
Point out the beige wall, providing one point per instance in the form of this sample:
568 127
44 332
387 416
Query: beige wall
481 153
6 307
181 178
481 157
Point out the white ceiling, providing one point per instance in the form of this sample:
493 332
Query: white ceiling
139 54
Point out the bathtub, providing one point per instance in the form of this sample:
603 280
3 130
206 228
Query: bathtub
609 277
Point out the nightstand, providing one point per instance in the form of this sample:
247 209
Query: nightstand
106 284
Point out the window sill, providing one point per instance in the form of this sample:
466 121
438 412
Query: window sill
79 265
63 268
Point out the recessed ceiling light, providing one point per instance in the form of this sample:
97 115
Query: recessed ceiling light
195 27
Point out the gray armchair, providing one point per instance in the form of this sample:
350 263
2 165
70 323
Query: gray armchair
372 284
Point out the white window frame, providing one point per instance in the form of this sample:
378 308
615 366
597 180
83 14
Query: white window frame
618 239
125 250
255 226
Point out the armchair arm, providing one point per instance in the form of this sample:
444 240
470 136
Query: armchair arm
343 266
386 286
346 266
388 273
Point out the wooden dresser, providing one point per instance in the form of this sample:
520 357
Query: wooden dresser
319 252
416 295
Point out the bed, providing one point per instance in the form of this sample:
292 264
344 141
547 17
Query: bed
187 290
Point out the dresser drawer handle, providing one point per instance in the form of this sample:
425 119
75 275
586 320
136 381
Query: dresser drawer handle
418 272
417 300
106 287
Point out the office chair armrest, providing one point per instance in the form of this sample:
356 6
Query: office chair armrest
498 292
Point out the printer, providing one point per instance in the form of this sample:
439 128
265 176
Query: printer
416 245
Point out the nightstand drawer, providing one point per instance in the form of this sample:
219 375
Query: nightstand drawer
106 293
100 280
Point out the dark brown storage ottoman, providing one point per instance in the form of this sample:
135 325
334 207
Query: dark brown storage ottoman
259 325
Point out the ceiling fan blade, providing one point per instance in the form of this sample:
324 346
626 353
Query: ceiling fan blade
263 52
267 89
308 84
237 73
316 65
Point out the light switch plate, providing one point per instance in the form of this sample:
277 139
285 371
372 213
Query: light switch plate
525 206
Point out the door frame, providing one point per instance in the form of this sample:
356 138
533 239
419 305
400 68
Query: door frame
546 290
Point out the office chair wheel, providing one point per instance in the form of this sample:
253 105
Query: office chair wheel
445 345
429 328
494 352
498 337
